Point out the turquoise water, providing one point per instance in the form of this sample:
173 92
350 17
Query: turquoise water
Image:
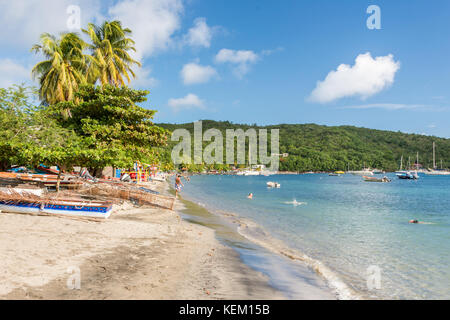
349 225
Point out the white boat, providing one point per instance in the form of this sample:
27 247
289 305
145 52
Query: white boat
272 184
434 171
267 173
78 208
364 172
248 173
251 173
438 173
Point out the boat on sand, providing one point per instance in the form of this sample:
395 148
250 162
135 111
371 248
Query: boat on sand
29 203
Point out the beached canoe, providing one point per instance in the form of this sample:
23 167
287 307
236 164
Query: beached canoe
24 190
70 207
51 181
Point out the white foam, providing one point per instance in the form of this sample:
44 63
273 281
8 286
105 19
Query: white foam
255 233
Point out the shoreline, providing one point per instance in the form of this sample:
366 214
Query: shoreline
316 272
296 277
139 253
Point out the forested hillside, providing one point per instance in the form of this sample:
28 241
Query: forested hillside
322 148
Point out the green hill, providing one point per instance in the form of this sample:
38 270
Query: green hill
323 148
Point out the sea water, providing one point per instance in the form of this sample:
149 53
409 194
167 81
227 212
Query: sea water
352 232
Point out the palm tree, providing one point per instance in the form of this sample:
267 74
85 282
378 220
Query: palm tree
64 68
111 62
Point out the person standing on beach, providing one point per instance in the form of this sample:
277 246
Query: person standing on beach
178 185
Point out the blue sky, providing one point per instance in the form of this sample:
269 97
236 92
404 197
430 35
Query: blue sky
261 61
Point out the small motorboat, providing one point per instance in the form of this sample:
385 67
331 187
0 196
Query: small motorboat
374 179
408 176
272 184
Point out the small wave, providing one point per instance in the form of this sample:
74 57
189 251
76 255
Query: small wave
258 235
255 233
295 203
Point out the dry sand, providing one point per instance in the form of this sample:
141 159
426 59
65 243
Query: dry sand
139 253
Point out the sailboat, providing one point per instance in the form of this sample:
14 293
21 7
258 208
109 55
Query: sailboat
408 175
364 172
401 171
249 172
434 171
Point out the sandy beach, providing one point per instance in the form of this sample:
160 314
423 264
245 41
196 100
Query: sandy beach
139 253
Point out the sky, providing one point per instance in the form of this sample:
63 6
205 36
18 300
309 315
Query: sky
331 62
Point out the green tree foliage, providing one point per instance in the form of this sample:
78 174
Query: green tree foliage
14 121
28 136
66 65
322 148
110 47
114 129
63 69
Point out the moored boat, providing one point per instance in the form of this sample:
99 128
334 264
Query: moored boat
437 172
272 184
408 176
364 172
374 179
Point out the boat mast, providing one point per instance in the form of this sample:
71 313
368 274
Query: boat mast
250 155
417 162
401 163
434 155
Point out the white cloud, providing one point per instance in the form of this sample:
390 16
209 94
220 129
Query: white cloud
23 21
191 101
153 23
236 56
386 106
242 59
143 78
269 52
200 34
13 73
365 78
397 106
193 73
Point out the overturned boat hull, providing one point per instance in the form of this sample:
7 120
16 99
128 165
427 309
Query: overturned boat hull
72 208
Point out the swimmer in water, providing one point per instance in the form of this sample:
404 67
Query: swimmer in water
421 222
250 196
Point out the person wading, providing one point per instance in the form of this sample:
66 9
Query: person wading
178 185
